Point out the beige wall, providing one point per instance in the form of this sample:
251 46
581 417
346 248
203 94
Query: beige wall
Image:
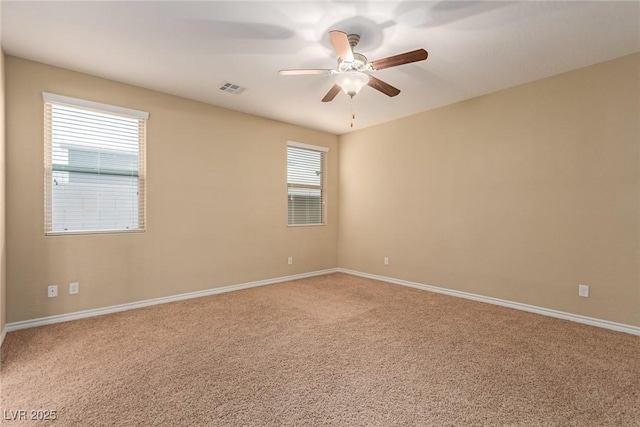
216 198
521 194
3 264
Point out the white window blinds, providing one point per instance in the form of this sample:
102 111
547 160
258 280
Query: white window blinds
305 184
94 166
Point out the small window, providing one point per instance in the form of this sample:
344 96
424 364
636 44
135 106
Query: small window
305 184
94 167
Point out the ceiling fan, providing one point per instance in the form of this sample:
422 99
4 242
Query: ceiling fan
351 71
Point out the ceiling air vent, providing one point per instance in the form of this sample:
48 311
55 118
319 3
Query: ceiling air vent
232 88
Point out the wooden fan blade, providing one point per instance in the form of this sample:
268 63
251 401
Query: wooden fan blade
302 71
383 87
332 93
341 45
403 58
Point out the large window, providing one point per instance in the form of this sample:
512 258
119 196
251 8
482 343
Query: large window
94 166
305 184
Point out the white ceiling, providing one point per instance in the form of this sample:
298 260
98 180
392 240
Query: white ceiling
191 48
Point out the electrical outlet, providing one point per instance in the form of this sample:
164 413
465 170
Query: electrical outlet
52 291
386 260
74 288
583 291
290 260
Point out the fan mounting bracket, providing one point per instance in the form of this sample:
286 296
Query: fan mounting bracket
354 39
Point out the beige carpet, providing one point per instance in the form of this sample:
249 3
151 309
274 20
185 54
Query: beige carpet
331 350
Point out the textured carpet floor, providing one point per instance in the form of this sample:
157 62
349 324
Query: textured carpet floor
331 350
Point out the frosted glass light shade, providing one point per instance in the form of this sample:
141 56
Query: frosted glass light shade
352 81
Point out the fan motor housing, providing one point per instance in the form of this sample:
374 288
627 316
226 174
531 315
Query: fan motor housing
359 63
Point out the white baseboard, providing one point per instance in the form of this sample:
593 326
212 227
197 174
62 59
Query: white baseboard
3 333
49 320
620 327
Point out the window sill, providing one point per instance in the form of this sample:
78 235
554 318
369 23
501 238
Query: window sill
83 232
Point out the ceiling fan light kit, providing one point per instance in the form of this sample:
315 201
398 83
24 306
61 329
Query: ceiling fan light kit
350 71
352 81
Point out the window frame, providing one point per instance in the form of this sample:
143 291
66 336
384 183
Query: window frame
323 182
51 99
